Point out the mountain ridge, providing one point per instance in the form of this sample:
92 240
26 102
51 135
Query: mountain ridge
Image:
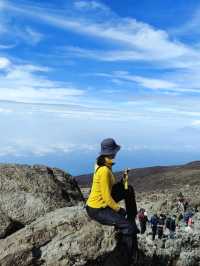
155 177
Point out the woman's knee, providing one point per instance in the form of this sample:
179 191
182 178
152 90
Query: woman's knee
128 229
131 228
89 212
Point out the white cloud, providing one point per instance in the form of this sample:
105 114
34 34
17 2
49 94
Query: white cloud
142 41
109 56
8 150
23 83
103 115
163 148
186 61
3 19
36 36
145 82
33 68
29 35
173 84
7 46
4 63
133 41
153 83
6 111
191 27
90 5
196 123
27 147
10 29
38 95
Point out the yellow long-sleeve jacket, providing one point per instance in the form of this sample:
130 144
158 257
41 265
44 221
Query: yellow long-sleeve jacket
100 195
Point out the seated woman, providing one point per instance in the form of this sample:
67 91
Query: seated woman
102 204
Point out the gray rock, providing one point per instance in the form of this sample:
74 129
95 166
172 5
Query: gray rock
67 236
63 237
5 223
28 192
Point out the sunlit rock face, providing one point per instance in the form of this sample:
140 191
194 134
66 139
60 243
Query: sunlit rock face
28 192
65 236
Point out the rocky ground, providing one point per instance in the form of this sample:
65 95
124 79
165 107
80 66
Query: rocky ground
43 222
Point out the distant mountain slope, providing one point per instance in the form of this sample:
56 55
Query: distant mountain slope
157 177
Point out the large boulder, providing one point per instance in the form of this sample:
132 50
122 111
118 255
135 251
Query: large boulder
68 237
63 237
28 192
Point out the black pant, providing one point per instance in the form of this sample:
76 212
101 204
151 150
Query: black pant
143 227
154 231
160 232
127 227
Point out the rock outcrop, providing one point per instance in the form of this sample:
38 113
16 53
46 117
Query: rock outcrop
28 192
63 237
68 237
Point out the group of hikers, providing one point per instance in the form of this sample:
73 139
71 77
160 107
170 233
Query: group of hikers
164 225
103 206
158 224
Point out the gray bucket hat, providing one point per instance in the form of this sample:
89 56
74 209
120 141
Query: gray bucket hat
109 147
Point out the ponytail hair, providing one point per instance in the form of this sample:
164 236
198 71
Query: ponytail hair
101 160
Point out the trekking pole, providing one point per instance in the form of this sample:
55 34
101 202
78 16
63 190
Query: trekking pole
125 178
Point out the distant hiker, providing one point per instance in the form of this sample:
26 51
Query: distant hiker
189 225
102 204
143 219
167 222
146 220
190 222
171 225
180 196
180 207
187 216
161 225
154 224
182 204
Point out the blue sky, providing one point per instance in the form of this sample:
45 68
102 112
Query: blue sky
75 72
